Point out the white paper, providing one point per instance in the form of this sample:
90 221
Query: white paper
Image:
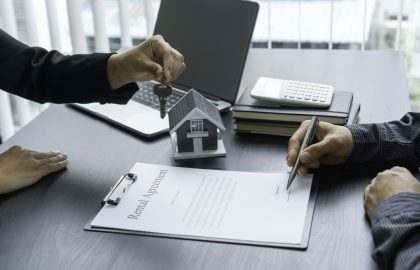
250 206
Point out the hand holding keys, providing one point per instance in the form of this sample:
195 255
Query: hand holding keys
162 90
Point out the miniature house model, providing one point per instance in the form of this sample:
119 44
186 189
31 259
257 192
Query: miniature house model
194 125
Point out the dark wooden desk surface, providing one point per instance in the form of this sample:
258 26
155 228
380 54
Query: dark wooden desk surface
41 226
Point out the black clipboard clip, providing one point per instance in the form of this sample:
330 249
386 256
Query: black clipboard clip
119 189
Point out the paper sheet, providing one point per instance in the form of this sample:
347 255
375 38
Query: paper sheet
250 206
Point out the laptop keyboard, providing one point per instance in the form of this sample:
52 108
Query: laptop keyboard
146 96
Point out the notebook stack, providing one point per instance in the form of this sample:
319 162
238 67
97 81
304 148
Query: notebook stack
264 117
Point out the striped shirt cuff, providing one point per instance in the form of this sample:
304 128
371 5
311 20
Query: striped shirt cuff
397 204
369 140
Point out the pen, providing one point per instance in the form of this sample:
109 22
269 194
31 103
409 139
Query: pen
307 140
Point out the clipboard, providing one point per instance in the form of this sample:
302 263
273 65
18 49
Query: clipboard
117 192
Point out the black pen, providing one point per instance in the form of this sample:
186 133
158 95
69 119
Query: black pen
309 136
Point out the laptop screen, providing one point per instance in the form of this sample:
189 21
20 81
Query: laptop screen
214 36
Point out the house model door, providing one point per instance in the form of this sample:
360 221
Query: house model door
196 127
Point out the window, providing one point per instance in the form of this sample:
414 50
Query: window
196 125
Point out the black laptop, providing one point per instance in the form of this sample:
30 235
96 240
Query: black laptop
214 36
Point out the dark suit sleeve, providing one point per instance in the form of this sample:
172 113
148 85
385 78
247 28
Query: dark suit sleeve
396 232
396 142
48 76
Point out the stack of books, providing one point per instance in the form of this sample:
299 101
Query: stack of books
264 117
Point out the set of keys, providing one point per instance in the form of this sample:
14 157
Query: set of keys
162 90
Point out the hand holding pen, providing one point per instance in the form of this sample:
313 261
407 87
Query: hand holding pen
332 145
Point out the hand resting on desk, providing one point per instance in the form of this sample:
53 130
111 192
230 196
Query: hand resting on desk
387 184
21 167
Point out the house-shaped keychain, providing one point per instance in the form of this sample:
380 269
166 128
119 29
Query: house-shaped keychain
194 125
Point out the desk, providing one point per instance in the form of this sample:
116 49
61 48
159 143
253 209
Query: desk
41 226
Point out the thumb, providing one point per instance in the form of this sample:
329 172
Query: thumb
315 151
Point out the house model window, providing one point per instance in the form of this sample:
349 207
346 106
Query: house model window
196 129
196 126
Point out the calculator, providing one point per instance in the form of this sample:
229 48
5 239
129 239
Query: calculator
293 93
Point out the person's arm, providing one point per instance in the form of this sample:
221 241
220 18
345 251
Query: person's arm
396 142
48 76
396 232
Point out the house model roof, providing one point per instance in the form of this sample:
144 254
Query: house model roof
193 106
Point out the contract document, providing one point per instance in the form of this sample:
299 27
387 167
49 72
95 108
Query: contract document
214 205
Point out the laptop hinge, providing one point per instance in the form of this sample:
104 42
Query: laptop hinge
183 87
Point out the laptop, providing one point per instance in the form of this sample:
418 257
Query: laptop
214 36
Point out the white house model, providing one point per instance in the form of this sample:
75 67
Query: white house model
194 125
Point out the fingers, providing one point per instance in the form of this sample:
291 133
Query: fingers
153 68
52 163
367 200
178 68
304 168
53 167
369 195
315 151
294 146
171 60
173 65
152 59
400 169
23 154
44 155
294 143
48 162
52 160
